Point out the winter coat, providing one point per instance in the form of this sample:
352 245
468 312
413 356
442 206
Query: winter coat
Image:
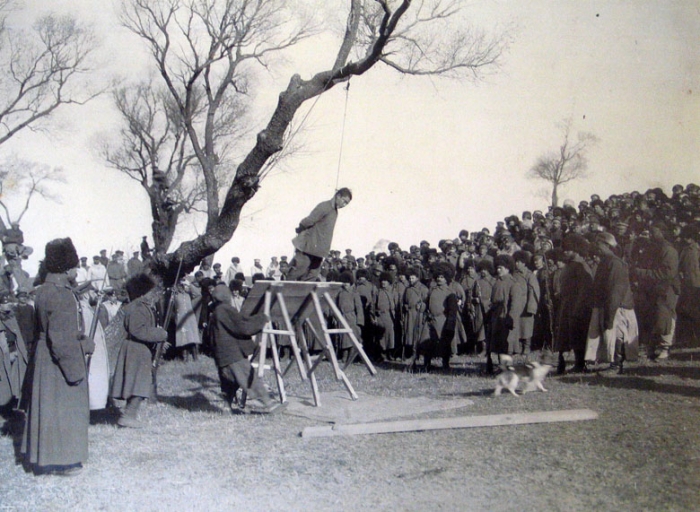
575 306
132 374
350 305
508 300
13 359
414 304
231 333
316 230
56 427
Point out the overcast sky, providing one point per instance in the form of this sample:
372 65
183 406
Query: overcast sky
424 157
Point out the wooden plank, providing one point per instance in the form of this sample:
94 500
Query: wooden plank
492 420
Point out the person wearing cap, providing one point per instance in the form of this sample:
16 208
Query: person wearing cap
385 304
442 316
508 300
613 334
257 267
132 373
233 269
134 265
97 274
231 333
523 261
574 304
689 272
82 271
145 249
116 271
314 236
350 304
273 269
660 277
55 439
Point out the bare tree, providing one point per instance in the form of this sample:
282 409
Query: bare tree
22 180
153 149
41 69
202 48
567 164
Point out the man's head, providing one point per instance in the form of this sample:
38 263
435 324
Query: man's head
342 197
605 242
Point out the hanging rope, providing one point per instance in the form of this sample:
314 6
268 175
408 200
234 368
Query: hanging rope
342 135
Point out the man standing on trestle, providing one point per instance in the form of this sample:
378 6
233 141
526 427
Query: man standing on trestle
314 236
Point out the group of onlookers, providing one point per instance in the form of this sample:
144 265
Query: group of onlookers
598 281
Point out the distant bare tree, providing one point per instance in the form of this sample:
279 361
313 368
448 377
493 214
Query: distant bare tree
23 180
153 149
40 70
202 50
567 164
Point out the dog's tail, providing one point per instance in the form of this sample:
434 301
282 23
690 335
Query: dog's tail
506 361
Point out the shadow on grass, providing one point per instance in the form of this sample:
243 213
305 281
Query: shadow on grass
684 372
205 380
196 402
108 416
465 394
630 381
468 369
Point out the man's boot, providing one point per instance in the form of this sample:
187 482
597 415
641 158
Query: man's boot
561 365
129 415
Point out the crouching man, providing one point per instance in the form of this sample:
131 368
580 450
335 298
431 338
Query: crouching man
231 336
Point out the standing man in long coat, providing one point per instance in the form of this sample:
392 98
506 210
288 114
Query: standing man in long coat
575 303
414 305
132 375
661 277
613 331
314 237
14 356
55 436
508 299
350 305
532 286
443 310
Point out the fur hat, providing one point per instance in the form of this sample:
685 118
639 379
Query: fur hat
504 260
485 264
523 257
575 242
138 286
346 277
362 272
444 269
386 276
60 256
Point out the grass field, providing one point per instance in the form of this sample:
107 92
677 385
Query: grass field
642 453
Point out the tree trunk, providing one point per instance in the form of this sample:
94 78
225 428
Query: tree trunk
555 197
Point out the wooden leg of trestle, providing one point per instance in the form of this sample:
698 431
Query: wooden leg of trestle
277 369
307 360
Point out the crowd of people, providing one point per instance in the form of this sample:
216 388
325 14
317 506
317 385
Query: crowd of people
605 281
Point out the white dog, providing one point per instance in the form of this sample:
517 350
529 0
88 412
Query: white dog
532 374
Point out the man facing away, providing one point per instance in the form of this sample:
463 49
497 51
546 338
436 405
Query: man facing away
314 237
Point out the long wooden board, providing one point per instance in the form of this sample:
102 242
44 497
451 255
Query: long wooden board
493 420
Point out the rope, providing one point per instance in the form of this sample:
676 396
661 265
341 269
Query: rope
342 135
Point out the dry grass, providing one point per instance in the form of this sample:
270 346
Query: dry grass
641 454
